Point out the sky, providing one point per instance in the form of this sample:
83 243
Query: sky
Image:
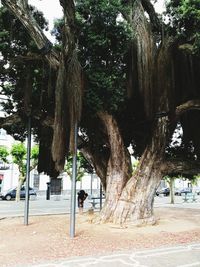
53 10
159 6
50 8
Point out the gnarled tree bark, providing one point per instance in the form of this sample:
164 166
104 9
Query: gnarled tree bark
118 169
68 92
21 11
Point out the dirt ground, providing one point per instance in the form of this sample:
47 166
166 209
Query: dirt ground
47 238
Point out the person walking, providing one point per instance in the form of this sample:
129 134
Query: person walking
82 195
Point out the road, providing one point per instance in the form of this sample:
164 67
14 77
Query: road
38 206
61 205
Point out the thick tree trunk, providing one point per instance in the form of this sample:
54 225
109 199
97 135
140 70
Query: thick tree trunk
133 198
136 201
118 169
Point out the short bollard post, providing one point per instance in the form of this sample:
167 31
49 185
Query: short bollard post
48 191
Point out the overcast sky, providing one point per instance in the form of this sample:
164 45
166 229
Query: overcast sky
50 8
53 10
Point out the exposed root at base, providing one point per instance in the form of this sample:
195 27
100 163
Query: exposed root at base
144 222
97 219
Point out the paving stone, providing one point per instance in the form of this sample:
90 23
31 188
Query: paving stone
176 256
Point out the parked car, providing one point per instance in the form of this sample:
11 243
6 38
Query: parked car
165 191
11 193
197 190
179 192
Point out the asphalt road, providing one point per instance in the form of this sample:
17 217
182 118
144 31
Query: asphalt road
61 205
38 206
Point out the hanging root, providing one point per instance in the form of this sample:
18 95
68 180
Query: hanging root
74 89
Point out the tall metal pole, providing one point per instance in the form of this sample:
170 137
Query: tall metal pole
26 211
73 185
101 196
91 182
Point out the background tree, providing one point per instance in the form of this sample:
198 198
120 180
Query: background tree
4 153
19 156
156 80
82 166
3 157
170 180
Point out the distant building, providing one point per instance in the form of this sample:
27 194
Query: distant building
9 172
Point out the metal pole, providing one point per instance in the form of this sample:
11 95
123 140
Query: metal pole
100 196
26 211
91 184
73 185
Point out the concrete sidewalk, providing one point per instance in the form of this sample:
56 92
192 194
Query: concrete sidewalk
176 256
41 206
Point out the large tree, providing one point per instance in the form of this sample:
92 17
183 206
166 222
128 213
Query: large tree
160 95
26 81
64 63
158 103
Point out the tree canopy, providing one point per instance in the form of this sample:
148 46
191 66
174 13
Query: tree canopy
116 58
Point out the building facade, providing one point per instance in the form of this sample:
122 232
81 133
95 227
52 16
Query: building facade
9 172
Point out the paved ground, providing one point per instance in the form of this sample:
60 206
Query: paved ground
187 255
177 256
61 205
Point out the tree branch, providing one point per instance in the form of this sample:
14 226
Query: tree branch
15 119
28 57
21 11
189 105
24 3
180 167
147 5
9 121
97 160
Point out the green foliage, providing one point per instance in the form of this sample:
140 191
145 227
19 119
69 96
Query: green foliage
19 155
168 178
4 154
22 81
35 152
184 17
83 166
194 180
18 152
104 39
